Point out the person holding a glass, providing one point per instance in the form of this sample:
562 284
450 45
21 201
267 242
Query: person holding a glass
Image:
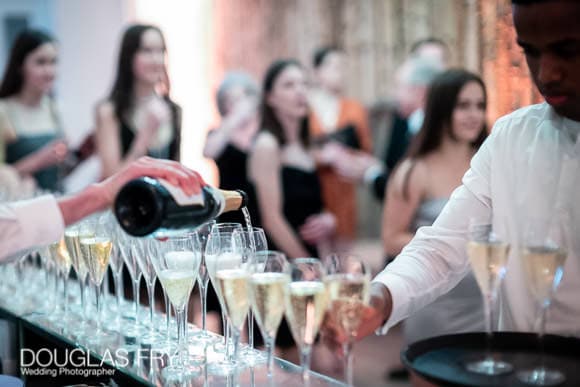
525 180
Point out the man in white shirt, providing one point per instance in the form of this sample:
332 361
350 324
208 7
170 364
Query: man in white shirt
529 167
27 224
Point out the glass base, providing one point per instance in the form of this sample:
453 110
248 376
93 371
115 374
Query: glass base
224 367
489 367
542 377
178 375
253 357
204 339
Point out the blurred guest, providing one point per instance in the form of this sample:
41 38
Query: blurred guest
431 48
135 120
283 169
341 123
421 185
412 80
228 145
31 136
284 173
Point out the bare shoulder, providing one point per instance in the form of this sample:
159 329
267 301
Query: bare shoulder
266 142
410 177
105 109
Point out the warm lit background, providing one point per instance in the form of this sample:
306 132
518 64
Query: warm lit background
205 38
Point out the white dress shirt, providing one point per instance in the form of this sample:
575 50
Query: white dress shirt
528 167
28 224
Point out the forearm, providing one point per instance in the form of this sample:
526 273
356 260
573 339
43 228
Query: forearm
75 207
284 237
216 142
28 164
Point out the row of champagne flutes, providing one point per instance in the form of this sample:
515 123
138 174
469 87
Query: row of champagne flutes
303 290
542 252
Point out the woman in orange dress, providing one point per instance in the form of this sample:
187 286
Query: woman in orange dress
337 124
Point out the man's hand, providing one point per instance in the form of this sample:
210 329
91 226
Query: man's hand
175 173
353 166
372 318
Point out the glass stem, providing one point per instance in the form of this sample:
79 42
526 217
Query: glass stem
541 332
98 294
251 328
118 294
65 296
83 301
167 315
347 349
488 306
136 301
305 354
151 294
270 342
180 315
203 300
233 356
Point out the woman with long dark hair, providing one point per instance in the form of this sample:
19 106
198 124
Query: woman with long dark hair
284 174
283 169
453 129
30 127
135 120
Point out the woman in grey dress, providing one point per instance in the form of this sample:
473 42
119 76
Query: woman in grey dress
453 129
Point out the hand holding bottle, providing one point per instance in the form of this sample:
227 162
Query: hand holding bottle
173 172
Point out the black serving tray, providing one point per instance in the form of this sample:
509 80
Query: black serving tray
442 359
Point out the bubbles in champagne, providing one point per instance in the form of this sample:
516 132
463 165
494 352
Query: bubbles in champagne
268 291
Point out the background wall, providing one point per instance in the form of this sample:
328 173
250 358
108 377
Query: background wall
205 38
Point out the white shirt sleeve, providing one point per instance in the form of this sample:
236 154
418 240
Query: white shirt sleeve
29 224
436 260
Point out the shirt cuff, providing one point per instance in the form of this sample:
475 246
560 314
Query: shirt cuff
40 220
372 173
399 297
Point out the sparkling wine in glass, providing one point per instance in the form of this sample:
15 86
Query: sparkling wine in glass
543 255
253 241
270 275
347 283
220 247
72 237
305 306
177 265
62 260
488 256
96 251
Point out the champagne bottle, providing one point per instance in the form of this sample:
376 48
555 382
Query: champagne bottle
145 205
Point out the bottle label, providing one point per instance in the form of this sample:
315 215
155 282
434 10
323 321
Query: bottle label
180 197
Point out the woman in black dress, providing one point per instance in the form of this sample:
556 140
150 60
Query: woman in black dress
284 174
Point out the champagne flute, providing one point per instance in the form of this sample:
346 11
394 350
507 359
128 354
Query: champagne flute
253 241
134 270
219 246
62 260
202 235
96 251
177 265
116 265
232 278
142 248
306 302
347 283
72 236
543 254
270 275
488 256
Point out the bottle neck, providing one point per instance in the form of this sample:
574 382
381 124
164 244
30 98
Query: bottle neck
233 200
